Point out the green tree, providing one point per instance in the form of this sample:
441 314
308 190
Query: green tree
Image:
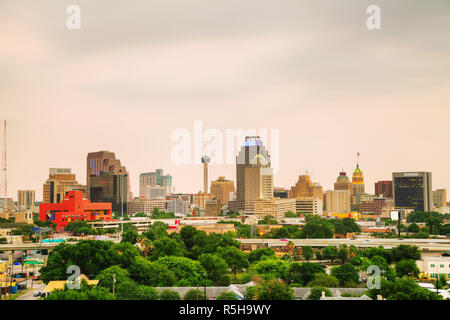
187 234
244 231
317 228
345 225
106 277
235 258
132 291
345 273
290 214
227 295
155 231
406 268
250 293
147 293
377 251
130 236
302 273
141 214
79 227
414 228
86 292
90 255
324 280
343 254
272 268
433 224
274 290
258 254
214 265
316 293
166 246
194 294
442 281
190 271
330 253
402 289
169 295
307 252
405 252
156 275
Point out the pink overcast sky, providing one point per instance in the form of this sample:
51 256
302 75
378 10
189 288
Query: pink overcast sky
138 70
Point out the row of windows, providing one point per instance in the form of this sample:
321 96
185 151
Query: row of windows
74 217
440 266
434 275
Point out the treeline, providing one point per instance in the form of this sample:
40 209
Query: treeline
131 269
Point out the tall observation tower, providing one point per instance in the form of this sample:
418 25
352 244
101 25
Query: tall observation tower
3 173
205 161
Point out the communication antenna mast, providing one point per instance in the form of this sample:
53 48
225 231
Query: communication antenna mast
4 181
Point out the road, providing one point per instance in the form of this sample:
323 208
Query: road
428 244
29 294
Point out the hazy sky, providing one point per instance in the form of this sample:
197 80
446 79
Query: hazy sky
138 70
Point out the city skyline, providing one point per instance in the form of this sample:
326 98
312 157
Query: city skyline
128 78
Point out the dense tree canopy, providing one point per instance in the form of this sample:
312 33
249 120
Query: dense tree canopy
402 289
90 255
345 274
274 290
317 228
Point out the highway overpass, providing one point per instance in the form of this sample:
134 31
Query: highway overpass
427 244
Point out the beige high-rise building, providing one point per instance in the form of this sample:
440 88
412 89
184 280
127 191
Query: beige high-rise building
145 205
105 161
343 182
25 198
305 188
254 177
59 182
337 201
201 198
309 205
212 208
221 190
275 207
439 198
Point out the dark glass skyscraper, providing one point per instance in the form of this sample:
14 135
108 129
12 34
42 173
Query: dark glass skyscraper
110 187
412 190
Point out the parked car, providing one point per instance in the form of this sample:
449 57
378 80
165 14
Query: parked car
37 294
445 254
36 278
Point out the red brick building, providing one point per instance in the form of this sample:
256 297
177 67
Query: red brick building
384 188
74 208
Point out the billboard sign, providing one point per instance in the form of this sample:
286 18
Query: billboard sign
394 215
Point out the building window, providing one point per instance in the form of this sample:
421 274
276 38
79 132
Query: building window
433 266
441 265
433 275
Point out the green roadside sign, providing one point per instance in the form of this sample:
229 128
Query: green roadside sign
33 262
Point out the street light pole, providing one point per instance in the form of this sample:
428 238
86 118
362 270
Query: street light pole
205 284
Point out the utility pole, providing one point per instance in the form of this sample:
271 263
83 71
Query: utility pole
205 284
114 282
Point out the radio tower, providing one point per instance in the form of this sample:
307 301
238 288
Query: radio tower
4 180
